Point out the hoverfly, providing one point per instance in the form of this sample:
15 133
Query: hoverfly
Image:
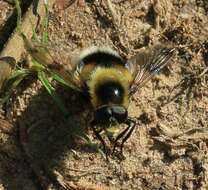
108 79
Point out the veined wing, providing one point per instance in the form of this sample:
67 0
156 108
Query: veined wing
57 60
147 63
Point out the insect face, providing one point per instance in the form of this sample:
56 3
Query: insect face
106 115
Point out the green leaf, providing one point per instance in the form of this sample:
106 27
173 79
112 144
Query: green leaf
11 84
19 15
42 77
44 30
59 79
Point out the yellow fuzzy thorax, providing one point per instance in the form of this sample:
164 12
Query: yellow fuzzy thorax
101 75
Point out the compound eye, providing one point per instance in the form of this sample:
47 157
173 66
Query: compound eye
120 113
108 111
103 114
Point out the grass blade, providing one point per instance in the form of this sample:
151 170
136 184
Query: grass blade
44 39
19 15
50 89
11 84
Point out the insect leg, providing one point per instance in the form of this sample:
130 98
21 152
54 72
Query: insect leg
97 134
120 136
132 124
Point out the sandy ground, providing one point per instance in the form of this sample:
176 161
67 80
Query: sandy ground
169 148
5 13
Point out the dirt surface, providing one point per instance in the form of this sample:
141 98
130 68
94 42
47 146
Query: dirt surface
6 10
169 148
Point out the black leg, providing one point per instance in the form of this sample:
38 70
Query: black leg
128 134
98 136
118 137
131 125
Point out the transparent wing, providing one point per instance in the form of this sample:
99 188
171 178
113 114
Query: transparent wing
146 64
56 59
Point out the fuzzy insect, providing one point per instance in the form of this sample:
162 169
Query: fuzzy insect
107 79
